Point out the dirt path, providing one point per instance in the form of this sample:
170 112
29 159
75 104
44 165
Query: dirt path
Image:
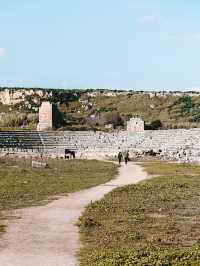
47 235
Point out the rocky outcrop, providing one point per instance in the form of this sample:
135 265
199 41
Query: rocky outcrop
15 96
12 96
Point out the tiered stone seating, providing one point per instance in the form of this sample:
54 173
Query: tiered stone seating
20 139
182 145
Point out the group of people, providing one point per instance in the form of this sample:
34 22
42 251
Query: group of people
126 157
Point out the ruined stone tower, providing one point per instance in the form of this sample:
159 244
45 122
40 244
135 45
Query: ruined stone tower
135 125
45 117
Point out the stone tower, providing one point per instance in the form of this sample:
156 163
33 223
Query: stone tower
45 117
135 125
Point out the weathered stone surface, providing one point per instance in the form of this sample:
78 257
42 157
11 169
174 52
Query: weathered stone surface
135 125
36 164
14 96
175 145
45 117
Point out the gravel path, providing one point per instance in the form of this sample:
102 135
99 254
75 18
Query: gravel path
47 235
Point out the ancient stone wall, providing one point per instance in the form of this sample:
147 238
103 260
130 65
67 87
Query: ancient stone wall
179 145
135 125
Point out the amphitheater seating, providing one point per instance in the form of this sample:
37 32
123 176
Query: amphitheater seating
171 144
20 139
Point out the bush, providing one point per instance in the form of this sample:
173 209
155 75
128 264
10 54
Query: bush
17 120
156 124
113 118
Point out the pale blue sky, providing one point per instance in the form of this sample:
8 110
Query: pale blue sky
142 44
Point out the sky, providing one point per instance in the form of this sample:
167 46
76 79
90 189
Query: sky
119 44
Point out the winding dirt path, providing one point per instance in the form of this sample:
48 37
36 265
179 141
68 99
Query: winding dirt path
47 235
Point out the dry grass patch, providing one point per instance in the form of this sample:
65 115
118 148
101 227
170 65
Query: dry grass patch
22 186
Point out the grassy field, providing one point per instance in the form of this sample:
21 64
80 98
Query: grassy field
22 186
156 222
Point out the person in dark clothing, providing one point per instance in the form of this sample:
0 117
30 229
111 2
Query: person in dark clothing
120 156
126 158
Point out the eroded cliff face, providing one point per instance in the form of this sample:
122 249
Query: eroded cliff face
12 96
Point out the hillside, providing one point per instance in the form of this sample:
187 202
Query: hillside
98 109
172 111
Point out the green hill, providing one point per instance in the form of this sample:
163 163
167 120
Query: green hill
96 109
172 111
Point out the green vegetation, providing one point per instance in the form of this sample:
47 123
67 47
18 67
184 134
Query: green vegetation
154 125
171 111
83 112
18 120
15 118
22 186
155 222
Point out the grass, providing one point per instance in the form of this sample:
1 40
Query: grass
155 222
22 186
172 111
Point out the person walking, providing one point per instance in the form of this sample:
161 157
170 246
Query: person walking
120 156
126 157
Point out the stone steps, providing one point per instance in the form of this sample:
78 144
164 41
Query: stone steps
173 143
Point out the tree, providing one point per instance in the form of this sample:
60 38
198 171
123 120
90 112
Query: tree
113 118
156 124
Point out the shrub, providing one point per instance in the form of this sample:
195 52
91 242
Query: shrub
156 124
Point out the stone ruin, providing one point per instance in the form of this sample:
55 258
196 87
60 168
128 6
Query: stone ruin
45 117
135 125
50 117
175 145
